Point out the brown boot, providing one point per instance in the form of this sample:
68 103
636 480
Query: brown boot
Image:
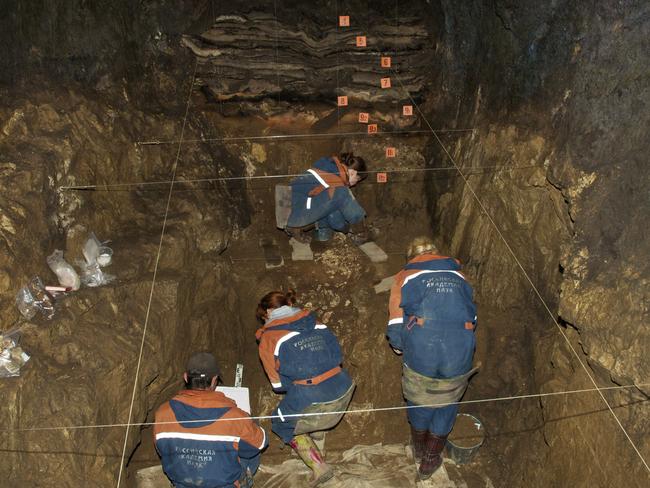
359 233
311 456
418 439
431 459
301 234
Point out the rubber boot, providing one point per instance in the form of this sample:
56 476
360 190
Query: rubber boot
431 459
418 438
359 233
311 456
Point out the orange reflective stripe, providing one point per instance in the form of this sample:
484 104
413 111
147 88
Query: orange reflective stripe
320 378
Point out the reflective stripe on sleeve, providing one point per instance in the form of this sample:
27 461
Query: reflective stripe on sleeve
317 176
281 341
396 321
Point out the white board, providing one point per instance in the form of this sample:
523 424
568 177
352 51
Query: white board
239 394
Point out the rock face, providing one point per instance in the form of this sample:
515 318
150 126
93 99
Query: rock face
567 100
302 55
84 361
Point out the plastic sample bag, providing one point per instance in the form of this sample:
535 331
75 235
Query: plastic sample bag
93 276
12 357
64 271
34 298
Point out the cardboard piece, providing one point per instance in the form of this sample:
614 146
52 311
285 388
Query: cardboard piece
384 285
374 252
282 205
300 251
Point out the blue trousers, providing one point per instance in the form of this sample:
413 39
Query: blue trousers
438 421
299 397
329 214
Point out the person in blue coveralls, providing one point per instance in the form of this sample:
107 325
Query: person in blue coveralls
431 324
321 200
202 437
302 358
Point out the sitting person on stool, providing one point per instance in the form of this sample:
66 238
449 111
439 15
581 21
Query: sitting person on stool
431 322
321 199
198 445
302 358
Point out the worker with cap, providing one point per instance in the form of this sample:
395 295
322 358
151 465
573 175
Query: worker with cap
202 437
302 358
321 200
431 323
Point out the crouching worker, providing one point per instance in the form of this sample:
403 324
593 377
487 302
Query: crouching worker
197 442
302 358
432 321
321 200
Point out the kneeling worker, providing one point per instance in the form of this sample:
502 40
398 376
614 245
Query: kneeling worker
198 445
321 200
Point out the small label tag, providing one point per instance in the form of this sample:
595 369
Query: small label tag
407 110
372 128
343 101
364 117
385 82
239 374
391 152
385 62
361 41
344 20
308 203
382 177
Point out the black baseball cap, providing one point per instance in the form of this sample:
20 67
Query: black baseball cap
203 363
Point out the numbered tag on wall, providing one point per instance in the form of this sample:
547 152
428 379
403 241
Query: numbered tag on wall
361 41
364 117
407 110
385 62
342 101
391 152
385 82
372 128
382 177
344 20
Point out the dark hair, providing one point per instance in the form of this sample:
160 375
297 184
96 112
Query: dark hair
274 299
198 381
356 163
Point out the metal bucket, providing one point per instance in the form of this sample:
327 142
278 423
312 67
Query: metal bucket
458 451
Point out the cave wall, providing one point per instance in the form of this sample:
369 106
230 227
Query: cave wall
561 86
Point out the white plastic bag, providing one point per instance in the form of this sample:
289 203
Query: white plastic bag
64 271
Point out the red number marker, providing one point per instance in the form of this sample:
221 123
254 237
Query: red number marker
364 117
391 152
407 110
361 41
372 128
343 101
382 177
385 82
385 62
344 20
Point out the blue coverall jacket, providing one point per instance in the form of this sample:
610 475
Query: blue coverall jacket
293 348
333 207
